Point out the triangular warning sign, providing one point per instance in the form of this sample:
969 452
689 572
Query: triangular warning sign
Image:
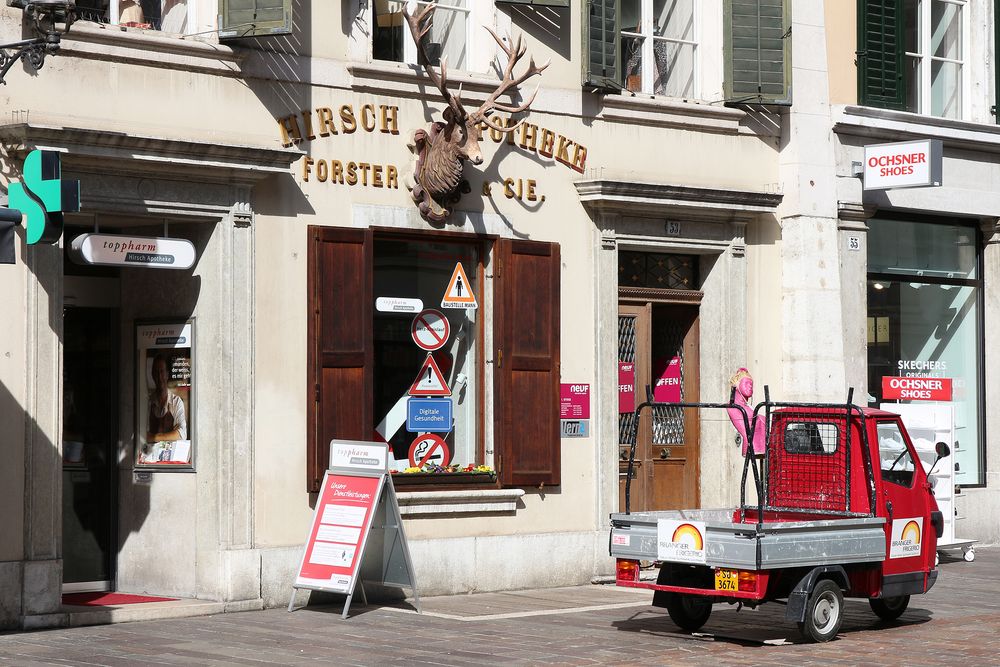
430 381
459 293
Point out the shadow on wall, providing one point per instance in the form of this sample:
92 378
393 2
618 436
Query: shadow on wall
548 25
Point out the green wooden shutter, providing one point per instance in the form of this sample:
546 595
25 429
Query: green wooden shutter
758 51
601 45
254 18
537 3
881 54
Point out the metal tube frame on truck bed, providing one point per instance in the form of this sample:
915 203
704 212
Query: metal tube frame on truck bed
750 462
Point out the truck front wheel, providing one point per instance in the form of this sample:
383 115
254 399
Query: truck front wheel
688 612
824 612
889 609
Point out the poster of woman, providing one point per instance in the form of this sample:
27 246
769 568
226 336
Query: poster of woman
164 397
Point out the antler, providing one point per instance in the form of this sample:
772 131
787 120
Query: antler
514 53
420 25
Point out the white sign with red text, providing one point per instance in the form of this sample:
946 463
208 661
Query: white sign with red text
907 164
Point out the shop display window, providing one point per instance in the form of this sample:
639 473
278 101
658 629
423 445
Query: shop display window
170 16
421 273
493 304
925 328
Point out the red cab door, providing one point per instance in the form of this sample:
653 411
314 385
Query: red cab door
905 500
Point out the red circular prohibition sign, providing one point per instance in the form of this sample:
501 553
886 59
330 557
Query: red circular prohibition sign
430 329
426 447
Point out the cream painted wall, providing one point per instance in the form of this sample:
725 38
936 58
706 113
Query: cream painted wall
841 43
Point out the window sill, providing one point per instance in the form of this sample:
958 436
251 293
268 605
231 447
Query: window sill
664 112
121 44
465 501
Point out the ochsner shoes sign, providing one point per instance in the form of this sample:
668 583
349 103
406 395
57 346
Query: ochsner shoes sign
116 250
909 164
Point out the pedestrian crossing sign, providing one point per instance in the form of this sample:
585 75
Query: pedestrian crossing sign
459 293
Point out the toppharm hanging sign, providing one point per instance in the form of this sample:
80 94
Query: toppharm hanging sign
908 164
141 251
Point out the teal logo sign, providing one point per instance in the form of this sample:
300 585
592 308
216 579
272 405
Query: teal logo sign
43 196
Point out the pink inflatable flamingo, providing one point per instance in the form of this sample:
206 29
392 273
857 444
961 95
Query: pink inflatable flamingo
744 390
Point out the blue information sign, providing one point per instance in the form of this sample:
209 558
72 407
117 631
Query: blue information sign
428 415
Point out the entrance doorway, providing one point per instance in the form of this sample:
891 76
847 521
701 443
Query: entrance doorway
90 434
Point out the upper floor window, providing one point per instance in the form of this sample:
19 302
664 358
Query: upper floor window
912 55
935 56
659 47
232 18
449 37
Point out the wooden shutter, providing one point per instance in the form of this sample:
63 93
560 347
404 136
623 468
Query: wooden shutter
341 353
601 45
757 51
881 54
526 362
254 18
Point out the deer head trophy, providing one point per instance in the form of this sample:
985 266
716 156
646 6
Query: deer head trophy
442 148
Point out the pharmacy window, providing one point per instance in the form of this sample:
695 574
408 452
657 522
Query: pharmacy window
659 47
452 35
398 354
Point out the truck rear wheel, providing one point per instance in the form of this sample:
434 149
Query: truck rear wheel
688 612
889 609
824 612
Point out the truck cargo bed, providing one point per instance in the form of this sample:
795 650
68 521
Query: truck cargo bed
727 544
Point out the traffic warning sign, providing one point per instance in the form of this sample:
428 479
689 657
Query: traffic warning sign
459 293
430 381
430 329
429 449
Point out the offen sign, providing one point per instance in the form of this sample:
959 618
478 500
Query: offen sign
908 164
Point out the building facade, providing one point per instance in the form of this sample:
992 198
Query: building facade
660 219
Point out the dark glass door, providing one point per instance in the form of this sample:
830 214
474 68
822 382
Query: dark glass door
90 432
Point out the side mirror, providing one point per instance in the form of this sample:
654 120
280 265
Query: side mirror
942 450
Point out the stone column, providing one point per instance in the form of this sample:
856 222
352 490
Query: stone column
853 243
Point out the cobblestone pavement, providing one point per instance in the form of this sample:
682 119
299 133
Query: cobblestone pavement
957 622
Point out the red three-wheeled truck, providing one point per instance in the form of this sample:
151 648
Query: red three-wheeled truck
838 505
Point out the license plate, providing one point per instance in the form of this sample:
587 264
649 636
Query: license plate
727 580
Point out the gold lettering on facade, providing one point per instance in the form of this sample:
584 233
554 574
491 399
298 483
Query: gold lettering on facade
307 164
307 123
321 171
562 152
352 173
390 119
579 158
377 175
548 140
529 137
337 172
368 118
364 167
391 177
348 123
324 116
289 128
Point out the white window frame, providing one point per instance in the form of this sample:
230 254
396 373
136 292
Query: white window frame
114 14
924 57
648 55
480 50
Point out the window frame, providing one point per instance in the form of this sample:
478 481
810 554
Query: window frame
648 49
914 459
479 53
926 59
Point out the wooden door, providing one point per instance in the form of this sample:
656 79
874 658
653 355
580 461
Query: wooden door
661 341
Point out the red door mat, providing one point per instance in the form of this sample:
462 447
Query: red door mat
108 599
